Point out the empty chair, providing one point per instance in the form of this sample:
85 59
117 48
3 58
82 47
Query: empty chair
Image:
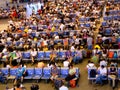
46 73
119 73
47 55
37 73
108 32
61 55
87 25
64 72
40 55
104 24
77 72
5 71
26 56
13 73
30 73
9 43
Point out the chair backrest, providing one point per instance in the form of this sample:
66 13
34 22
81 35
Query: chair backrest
77 71
40 54
64 71
47 54
5 71
13 71
30 71
73 53
61 54
92 73
26 55
118 72
38 71
46 71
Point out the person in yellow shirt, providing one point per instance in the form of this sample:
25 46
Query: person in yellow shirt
45 48
53 29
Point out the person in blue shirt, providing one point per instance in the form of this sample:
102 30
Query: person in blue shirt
20 72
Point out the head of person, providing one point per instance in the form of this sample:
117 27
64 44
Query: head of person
102 66
70 66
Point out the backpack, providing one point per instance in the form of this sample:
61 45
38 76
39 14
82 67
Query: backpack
115 55
57 83
93 73
111 54
72 83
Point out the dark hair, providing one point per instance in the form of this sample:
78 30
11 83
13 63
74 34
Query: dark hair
70 65
18 85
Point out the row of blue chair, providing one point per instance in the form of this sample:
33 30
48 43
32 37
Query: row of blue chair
41 55
112 18
114 12
38 73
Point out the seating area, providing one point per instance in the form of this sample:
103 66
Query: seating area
37 73
64 34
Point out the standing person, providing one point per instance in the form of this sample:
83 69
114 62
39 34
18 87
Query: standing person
89 42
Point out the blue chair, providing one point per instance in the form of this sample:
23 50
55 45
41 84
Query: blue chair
77 72
118 73
37 74
46 73
40 55
47 55
61 55
33 34
91 78
26 56
13 74
73 53
104 24
22 28
34 27
64 72
5 71
30 72
108 32
9 43
87 25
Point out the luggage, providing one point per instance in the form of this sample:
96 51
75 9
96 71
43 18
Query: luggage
57 83
72 83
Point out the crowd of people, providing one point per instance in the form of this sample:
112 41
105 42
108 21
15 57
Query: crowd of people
63 25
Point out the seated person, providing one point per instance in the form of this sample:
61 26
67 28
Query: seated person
113 74
40 65
20 72
33 55
72 72
54 72
102 74
90 65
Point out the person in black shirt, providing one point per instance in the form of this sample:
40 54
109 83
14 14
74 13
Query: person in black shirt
113 74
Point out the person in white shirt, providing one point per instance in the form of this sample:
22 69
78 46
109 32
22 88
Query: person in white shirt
63 87
102 74
90 65
66 63
103 62
33 54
